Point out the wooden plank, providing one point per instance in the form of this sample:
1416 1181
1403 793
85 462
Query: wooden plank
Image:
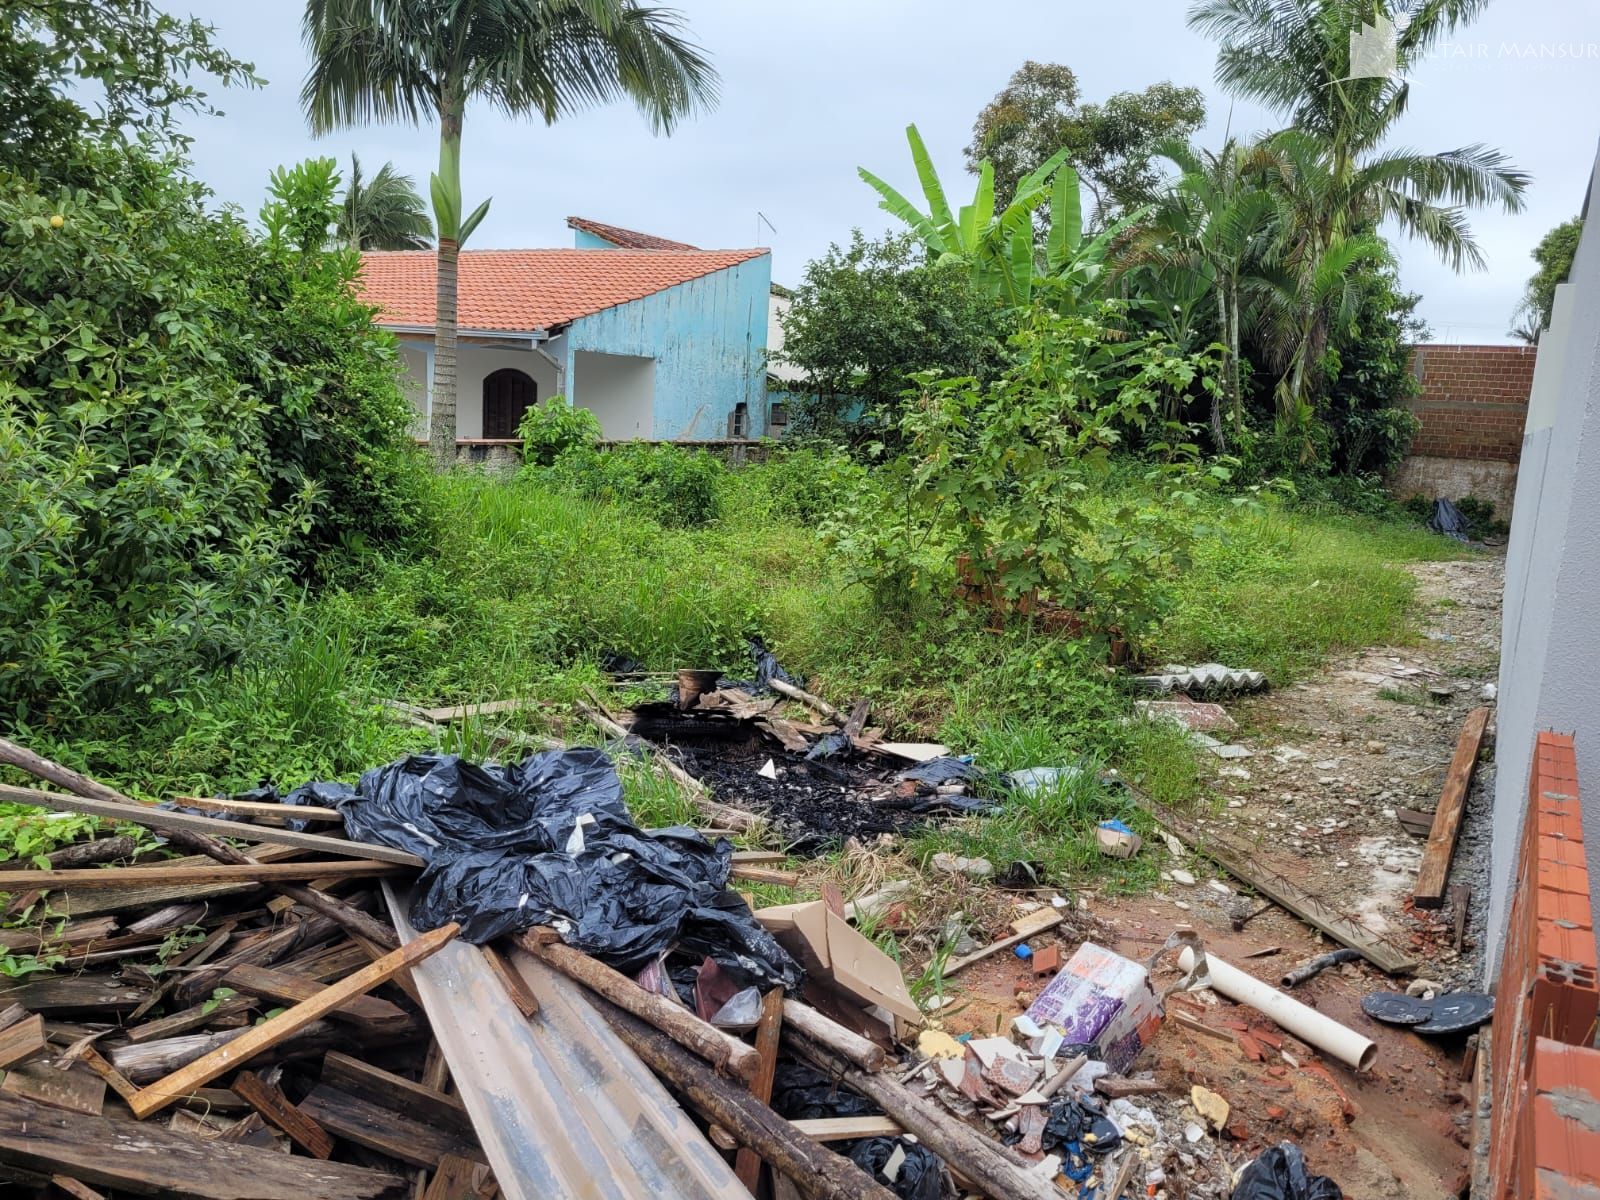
559 1105
748 1164
258 811
138 894
150 1160
161 818
1433 877
74 994
23 1041
75 1189
415 1100
755 874
516 987
1245 864
844 1129
115 1079
370 1012
76 1089
286 1024
121 877
459 1178
377 1128
190 1018
488 708
279 1111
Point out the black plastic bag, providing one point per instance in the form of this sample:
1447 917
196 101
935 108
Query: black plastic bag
944 769
1280 1174
800 1093
766 667
1448 520
921 1173
549 841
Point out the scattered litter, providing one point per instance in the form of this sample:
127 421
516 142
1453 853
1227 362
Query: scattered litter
1210 1106
769 770
1117 840
1103 1001
1448 520
955 864
1033 780
936 1043
1488 693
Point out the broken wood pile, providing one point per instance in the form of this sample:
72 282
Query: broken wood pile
262 1009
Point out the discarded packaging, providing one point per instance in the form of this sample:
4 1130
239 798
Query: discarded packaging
830 949
1101 1000
1280 1174
1117 840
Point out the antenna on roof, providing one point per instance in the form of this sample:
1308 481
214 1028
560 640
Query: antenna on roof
761 219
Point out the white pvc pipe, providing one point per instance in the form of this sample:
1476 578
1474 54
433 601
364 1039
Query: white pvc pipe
1307 1024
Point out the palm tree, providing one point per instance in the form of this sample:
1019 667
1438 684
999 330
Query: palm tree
1294 56
383 214
416 60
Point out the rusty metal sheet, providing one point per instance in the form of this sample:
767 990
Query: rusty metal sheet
560 1105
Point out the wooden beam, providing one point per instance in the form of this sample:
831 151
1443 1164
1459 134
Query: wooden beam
748 1164
726 1052
1433 878
121 877
458 1178
149 1160
864 1053
258 811
74 994
278 1110
76 1088
378 1128
23 1041
415 1100
370 1012
1016 939
286 1024
516 986
115 1079
815 703
846 1129
161 818
765 875
190 1018
1245 864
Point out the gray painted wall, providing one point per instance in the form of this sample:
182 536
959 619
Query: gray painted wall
1550 633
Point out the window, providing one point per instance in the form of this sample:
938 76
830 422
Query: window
507 394
778 415
739 421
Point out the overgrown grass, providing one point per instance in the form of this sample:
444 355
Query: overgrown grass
534 584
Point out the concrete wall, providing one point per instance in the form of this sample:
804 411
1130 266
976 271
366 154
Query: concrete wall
619 390
708 337
1473 406
1550 636
417 380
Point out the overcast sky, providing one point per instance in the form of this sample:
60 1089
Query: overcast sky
813 89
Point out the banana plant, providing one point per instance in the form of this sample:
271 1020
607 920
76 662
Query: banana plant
998 247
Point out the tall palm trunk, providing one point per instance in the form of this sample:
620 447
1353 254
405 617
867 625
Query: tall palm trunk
442 424
1218 437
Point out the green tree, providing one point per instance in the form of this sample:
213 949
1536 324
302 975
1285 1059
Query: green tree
135 60
383 213
1294 56
1554 254
1110 145
416 60
868 316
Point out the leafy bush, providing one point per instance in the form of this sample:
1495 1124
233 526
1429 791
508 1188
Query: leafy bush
555 428
187 419
678 488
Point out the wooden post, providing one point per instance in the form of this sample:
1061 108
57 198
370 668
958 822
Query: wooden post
867 1055
819 1173
727 1053
748 1164
815 703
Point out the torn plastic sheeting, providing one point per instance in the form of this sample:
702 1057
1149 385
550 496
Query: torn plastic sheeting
917 1175
1448 520
1280 1174
548 841
800 1093
945 769
767 668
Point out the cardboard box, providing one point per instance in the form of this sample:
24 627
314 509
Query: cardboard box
830 950
1104 1001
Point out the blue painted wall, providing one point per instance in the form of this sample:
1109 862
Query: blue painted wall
582 239
709 340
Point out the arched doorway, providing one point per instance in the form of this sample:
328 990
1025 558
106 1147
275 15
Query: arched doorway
507 394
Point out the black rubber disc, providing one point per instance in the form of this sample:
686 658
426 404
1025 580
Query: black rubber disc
1458 1012
1397 1008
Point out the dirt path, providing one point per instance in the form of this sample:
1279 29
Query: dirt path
1330 762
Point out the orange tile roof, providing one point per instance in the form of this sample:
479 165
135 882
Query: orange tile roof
522 291
628 239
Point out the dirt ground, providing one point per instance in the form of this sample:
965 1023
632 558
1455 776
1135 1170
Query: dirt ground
1331 760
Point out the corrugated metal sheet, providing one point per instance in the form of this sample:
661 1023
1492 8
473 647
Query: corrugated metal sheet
560 1105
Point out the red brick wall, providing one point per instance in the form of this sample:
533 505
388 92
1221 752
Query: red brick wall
1546 1074
1474 401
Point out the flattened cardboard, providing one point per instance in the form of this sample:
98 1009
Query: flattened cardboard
828 948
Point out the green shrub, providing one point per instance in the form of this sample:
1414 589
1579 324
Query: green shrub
675 487
555 428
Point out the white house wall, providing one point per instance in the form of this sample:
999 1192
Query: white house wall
473 364
619 390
